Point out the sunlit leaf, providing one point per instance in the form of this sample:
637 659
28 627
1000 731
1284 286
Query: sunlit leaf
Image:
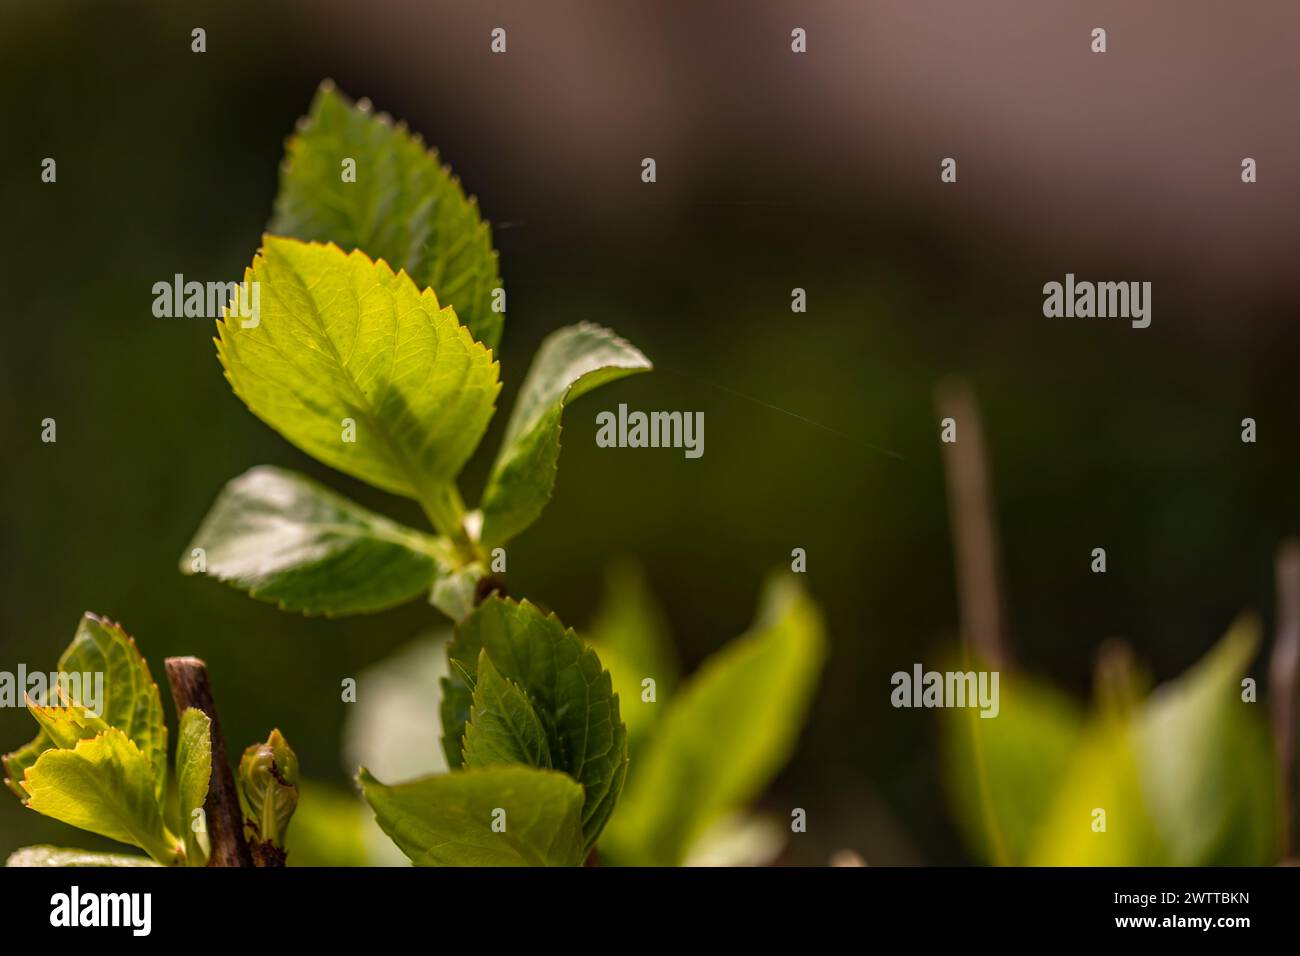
404 206
570 363
359 368
493 816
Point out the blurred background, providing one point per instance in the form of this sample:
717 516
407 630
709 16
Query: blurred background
775 171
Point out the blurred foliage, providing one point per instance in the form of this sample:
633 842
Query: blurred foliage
1185 777
717 743
1096 435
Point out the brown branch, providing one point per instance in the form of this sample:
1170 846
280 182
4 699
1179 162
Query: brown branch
1282 680
975 542
188 677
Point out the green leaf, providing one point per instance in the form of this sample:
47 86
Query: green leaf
630 635
570 363
131 701
106 786
503 727
193 773
286 539
1102 774
729 730
1187 779
59 856
1008 766
570 692
339 339
447 820
1207 765
405 207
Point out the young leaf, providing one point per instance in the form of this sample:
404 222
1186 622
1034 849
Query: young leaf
1208 770
106 786
570 363
725 736
59 856
493 816
360 369
503 727
566 685
193 773
1003 772
630 635
131 701
1102 774
64 726
268 783
284 538
404 206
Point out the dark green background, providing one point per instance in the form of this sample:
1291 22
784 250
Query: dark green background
1099 435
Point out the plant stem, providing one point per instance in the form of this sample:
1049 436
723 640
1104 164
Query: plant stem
1282 681
445 510
188 677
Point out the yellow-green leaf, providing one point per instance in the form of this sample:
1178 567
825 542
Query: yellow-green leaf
402 206
193 774
1003 772
492 816
131 701
727 732
104 785
1207 764
359 368
630 635
1097 815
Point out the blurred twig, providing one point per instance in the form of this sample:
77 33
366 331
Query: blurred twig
979 587
975 541
1282 680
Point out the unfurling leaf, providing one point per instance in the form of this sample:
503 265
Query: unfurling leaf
404 206
268 782
492 816
566 685
570 363
131 702
503 727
